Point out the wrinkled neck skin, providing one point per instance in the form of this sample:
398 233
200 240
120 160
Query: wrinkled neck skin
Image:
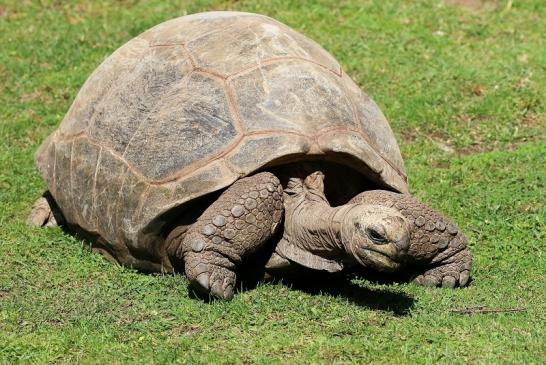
316 227
311 224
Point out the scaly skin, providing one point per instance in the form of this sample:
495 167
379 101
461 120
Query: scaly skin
436 244
239 222
45 212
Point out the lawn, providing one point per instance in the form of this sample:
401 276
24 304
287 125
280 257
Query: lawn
463 84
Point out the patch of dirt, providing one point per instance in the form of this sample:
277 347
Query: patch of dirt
4 293
123 321
444 143
45 97
34 117
440 164
54 322
478 90
473 5
531 120
473 149
480 147
35 95
439 139
276 317
14 12
184 330
409 135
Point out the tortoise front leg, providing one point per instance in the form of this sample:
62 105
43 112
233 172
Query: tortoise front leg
239 222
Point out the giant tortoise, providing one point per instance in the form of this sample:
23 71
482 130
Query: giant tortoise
217 135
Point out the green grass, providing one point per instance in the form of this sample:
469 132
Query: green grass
464 91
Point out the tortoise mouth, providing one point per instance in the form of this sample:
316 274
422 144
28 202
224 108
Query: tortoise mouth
378 259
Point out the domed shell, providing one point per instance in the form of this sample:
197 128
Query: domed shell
193 104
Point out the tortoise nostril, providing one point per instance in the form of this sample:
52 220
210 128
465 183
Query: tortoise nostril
402 244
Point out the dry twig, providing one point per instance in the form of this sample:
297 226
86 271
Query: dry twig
484 310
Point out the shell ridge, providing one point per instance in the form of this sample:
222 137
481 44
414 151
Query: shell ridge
115 208
140 206
210 73
233 107
94 190
71 173
189 56
371 145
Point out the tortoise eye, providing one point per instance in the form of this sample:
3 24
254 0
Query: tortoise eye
375 236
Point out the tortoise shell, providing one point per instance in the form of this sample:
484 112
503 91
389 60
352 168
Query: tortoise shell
190 106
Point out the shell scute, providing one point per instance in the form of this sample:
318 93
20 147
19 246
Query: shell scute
131 102
292 96
110 74
374 125
62 181
191 124
129 201
253 41
271 147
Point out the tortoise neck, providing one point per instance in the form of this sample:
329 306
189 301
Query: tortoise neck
317 227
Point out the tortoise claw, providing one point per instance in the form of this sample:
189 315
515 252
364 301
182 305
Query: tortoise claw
202 281
449 282
440 277
450 274
223 282
217 281
464 277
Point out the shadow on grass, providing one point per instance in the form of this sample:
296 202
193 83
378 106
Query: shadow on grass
318 283
387 300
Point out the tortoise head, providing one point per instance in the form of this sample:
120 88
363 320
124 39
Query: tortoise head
387 231
378 237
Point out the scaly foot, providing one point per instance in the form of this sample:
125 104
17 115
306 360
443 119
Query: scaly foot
243 218
453 272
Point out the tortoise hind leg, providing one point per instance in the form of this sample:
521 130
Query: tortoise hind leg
238 223
45 212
